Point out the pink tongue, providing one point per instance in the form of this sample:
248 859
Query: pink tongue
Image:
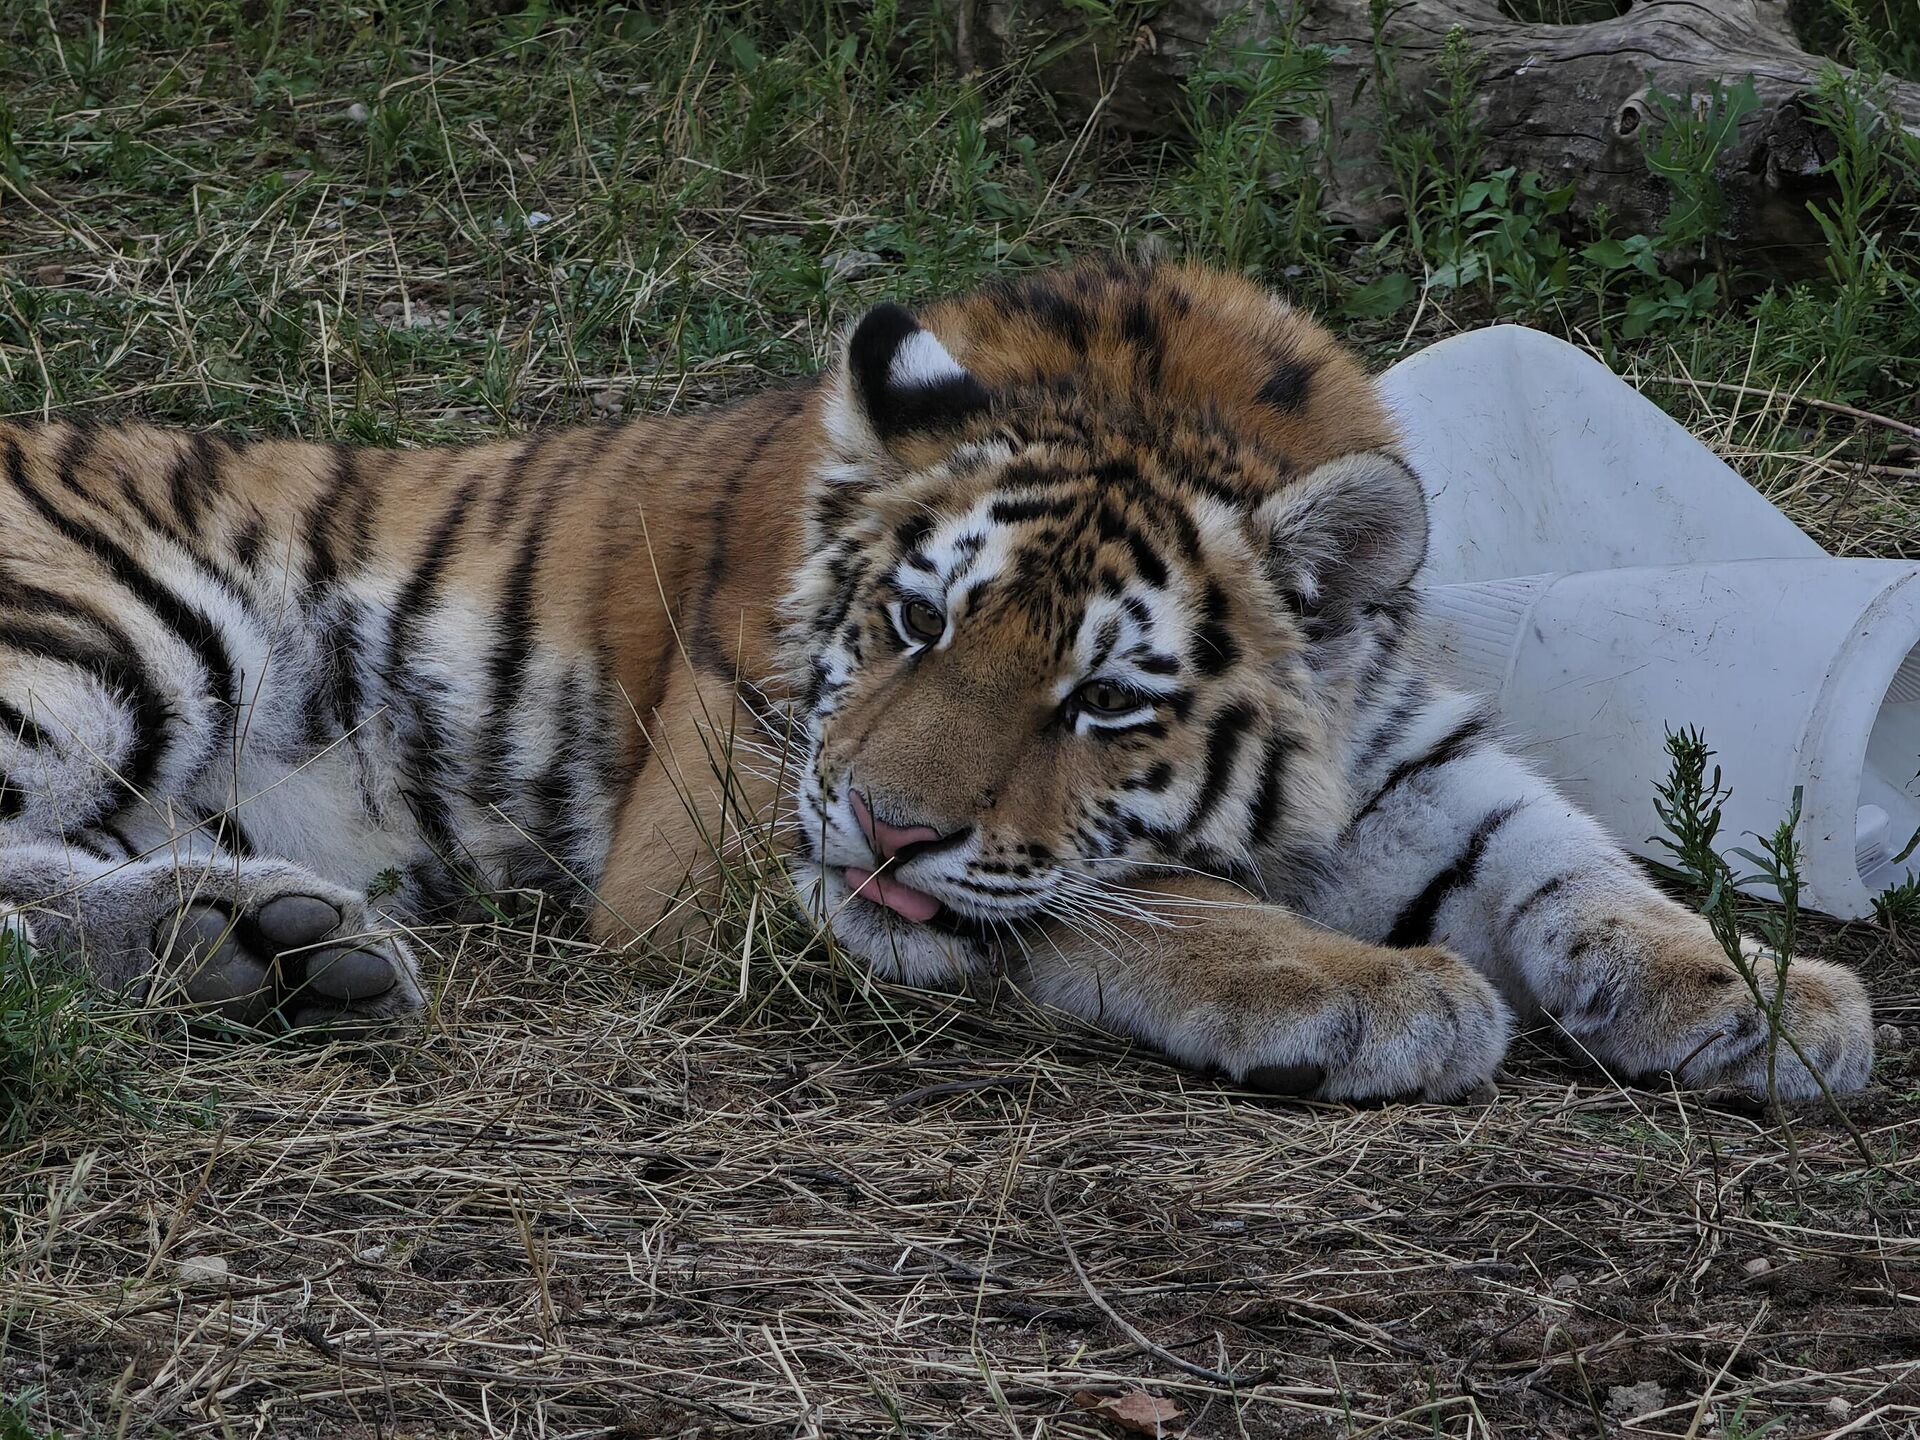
916 905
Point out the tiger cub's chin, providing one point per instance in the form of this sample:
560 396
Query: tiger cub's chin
919 954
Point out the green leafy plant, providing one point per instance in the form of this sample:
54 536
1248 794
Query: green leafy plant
1685 141
1249 192
1654 300
1690 802
1898 906
17 1423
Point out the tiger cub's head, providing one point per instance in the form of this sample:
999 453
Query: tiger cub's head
1094 563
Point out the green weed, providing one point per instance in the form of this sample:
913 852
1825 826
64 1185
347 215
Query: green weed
1690 802
1249 194
59 1053
17 1423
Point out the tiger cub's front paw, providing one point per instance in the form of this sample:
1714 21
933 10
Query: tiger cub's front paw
289 947
1355 1022
1664 997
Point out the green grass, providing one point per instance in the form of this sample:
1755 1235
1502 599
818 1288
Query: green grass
16 1422
61 1055
467 218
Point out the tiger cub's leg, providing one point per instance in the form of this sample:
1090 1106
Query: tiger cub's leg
1457 842
702 808
1276 1001
103 863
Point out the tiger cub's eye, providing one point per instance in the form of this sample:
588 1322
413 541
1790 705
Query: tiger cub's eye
922 622
1103 697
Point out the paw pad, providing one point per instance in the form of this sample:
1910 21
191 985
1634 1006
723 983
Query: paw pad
274 959
1285 1079
292 920
350 974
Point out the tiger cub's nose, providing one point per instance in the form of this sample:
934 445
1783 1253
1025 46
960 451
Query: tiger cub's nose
888 841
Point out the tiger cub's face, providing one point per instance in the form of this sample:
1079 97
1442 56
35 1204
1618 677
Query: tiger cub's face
1082 560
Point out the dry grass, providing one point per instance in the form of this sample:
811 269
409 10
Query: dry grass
771 1197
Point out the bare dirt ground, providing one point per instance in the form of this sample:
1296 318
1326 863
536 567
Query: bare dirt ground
767 1197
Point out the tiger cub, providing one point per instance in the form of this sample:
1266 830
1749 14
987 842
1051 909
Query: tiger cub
1065 627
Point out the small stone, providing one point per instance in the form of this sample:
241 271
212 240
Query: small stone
537 218
1839 1407
1889 1039
202 1270
1565 1284
850 264
1626 1401
372 1254
1757 1266
358 113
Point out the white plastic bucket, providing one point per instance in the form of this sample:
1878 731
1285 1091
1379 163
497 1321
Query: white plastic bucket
1605 577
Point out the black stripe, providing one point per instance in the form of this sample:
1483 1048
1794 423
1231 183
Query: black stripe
1015 510
246 544
1152 568
1230 728
1155 780
195 630
227 831
1286 389
113 663
1391 728
507 664
1414 925
190 480
1213 647
1268 804
184 529
506 499
720 525
347 484
75 448
82 843
341 662
557 804
426 796
418 592
1544 891
15 725
115 668
1451 747
1141 329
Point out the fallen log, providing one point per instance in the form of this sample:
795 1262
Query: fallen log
1572 102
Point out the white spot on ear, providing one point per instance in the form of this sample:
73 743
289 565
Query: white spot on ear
922 360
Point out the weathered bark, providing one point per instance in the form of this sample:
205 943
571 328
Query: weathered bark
1567 101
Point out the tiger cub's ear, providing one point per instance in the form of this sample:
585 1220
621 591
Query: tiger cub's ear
1344 536
900 382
